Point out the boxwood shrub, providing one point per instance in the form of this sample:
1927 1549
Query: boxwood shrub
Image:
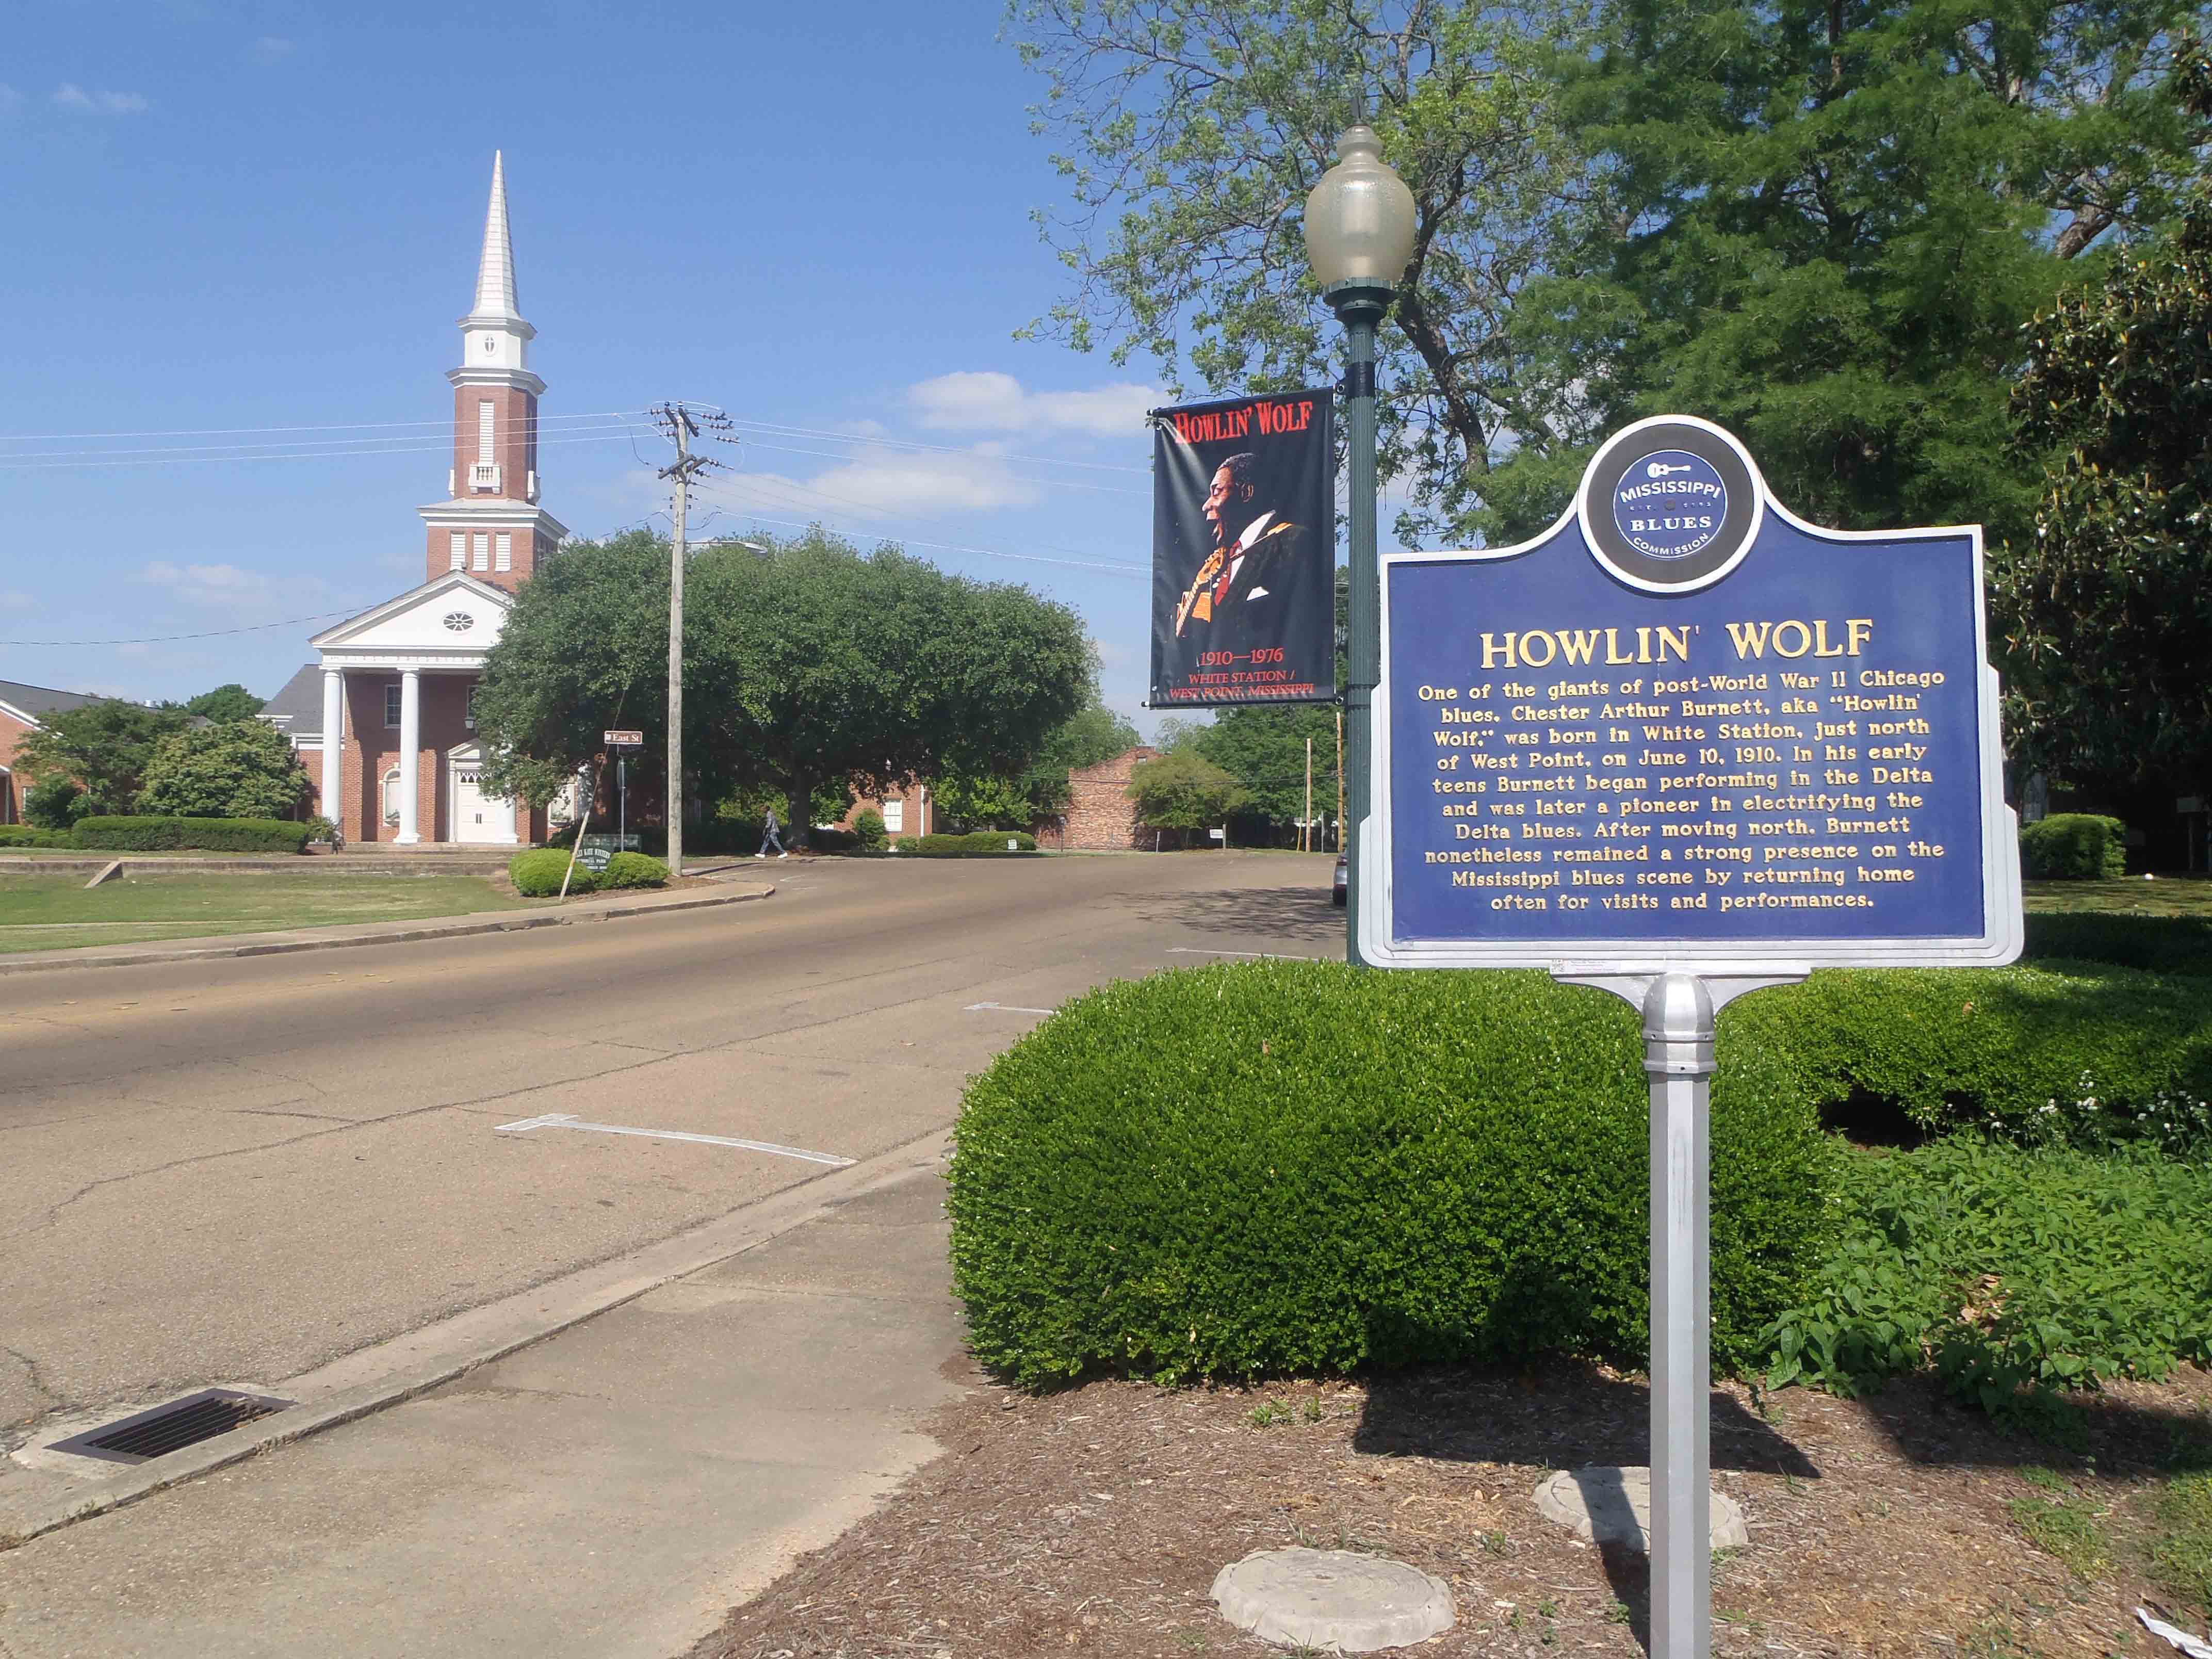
2080 1053
538 873
1276 1167
630 870
157 835
2163 945
976 843
29 835
2074 846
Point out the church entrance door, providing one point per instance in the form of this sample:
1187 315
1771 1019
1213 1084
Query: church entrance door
475 817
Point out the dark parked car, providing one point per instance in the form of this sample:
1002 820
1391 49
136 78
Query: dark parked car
1343 880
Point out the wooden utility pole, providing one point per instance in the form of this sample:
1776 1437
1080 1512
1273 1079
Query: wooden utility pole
1305 828
1339 780
680 425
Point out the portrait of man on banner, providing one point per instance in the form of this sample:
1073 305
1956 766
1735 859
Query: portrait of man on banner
1243 552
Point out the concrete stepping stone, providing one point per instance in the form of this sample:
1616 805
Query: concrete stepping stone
1608 1504
1334 1600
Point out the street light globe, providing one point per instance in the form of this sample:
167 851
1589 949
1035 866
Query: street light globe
1359 218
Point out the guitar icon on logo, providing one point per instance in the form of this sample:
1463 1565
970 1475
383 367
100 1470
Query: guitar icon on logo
1660 470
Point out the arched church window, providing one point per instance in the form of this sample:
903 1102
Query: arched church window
389 797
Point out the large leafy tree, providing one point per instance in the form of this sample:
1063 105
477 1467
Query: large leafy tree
1265 751
1094 733
2107 610
231 701
1183 790
807 666
1188 133
104 747
1821 222
242 769
1827 223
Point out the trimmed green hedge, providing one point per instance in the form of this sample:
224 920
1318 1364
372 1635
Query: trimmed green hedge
161 835
976 843
28 834
1274 1167
631 870
538 873
2074 846
2161 945
2056 1053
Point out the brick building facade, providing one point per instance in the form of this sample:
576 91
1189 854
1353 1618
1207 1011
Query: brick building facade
21 709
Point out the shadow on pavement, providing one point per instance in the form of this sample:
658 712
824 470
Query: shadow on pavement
1300 914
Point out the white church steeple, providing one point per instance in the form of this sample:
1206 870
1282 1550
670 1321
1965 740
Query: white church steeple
497 337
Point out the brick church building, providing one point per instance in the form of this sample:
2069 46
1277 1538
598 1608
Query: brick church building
386 709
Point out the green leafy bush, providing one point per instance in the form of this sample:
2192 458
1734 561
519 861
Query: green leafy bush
29 835
977 843
868 829
1273 1167
907 844
538 873
55 804
243 769
156 835
832 840
2083 1056
995 841
321 829
2020 1272
631 870
2161 945
2074 846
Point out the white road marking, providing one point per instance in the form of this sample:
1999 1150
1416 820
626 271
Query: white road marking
1004 1008
1271 956
569 1121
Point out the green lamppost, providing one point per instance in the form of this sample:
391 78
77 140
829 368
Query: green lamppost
1359 235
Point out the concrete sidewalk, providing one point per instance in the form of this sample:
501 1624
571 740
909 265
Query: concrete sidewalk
349 935
610 1492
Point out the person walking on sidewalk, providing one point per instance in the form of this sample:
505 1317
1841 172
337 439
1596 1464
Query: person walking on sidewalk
768 835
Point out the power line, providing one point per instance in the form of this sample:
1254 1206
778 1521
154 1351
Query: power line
212 633
32 465
340 426
911 443
1048 484
304 446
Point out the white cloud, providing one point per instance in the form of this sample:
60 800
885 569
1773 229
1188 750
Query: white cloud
908 486
271 49
14 599
70 95
981 400
236 588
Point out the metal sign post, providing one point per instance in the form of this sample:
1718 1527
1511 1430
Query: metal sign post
620 741
1682 746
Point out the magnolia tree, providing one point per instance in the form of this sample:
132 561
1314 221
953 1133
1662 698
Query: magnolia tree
243 769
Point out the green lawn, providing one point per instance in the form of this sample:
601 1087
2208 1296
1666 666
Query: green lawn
49 913
2166 895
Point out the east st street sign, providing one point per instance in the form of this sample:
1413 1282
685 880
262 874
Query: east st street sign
1683 726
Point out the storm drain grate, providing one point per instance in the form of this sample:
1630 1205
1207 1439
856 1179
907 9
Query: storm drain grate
173 1427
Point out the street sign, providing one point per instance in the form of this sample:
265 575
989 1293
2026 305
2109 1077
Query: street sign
622 739
1683 726
1681 746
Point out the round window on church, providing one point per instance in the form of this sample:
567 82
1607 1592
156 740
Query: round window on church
459 621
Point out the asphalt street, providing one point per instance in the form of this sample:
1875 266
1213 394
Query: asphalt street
235 1171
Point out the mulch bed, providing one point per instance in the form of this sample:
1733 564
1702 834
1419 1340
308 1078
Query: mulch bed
1093 1520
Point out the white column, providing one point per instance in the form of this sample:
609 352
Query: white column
334 745
410 756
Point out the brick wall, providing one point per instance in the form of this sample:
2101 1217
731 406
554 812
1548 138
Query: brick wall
916 820
1100 816
372 747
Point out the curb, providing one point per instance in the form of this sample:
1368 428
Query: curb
466 1341
46 961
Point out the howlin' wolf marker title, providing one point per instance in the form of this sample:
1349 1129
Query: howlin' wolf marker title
1244 551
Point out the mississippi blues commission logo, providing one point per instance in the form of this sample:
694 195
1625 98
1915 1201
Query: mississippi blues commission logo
1670 505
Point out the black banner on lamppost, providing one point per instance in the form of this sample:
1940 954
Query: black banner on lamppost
1244 551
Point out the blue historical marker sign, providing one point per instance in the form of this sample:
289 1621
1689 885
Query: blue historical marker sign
1685 727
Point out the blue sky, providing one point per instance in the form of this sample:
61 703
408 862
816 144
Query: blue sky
233 214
